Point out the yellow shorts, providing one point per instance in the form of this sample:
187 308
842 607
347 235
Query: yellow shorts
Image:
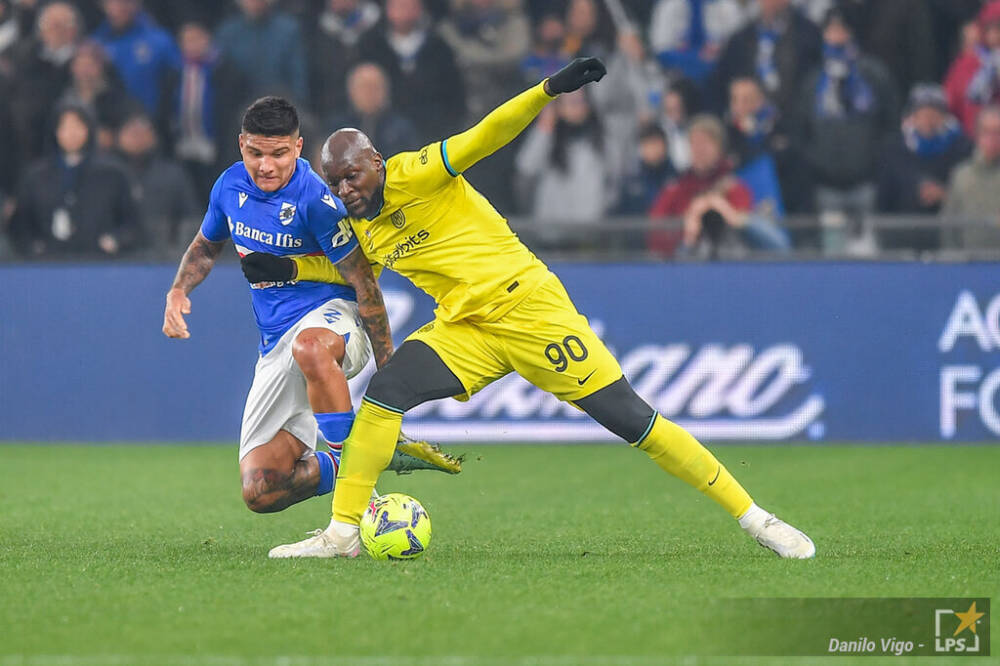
544 339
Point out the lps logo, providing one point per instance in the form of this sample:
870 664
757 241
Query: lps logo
947 639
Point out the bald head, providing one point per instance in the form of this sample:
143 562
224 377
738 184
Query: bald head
58 25
354 171
346 145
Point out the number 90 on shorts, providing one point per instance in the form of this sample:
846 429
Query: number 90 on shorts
544 339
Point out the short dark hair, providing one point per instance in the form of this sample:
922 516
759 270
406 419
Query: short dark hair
651 131
271 116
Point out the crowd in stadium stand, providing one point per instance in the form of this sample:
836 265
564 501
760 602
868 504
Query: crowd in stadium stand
730 115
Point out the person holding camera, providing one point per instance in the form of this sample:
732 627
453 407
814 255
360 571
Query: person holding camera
716 206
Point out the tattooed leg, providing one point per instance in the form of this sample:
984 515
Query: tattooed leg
275 475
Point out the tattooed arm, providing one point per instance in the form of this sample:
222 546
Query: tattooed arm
357 272
195 265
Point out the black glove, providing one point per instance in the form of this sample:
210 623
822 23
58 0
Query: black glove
575 75
264 267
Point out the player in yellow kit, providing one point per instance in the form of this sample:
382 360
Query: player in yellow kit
499 310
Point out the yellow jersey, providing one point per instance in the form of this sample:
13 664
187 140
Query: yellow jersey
436 230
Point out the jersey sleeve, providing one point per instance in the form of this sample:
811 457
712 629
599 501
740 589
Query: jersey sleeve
425 171
214 226
326 218
497 129
319 269
421 172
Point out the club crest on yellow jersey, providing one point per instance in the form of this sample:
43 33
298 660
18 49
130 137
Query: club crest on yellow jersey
397 218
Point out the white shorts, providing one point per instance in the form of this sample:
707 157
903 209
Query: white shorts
278 399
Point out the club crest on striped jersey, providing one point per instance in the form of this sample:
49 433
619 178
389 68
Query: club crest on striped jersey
287 213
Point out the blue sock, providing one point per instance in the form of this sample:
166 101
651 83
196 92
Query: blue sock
335 426
327 471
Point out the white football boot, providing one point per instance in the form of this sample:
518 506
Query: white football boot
337 540
775 534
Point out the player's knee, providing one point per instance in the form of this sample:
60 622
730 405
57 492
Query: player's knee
386 388
256 502
318 353
619 408
262 490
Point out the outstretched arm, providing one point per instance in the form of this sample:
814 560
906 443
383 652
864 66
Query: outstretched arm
504 123
196 264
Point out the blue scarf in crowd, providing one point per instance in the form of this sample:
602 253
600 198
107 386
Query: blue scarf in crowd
696 33
762 124
841 90
934 145
767 68
983 86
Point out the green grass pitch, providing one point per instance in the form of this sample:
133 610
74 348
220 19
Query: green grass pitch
556 555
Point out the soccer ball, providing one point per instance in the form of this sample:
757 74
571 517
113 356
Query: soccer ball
395 527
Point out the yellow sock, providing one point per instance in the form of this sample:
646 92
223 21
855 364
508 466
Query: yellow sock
367 452
675 450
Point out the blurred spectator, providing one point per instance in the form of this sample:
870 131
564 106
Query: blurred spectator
688 35
649 174
41 72
754 141
814 10
426 83
779 47
847 107
984 86
160 186
965 67
26 14
623 98
206 117
173 14
910 54
265 44
76 201
95 86
10 164
546 56
680 102
947 20
561 164
639 11
918 160
974 192
371 112
333 50
716 206
589 30
144 54
10 33
490 39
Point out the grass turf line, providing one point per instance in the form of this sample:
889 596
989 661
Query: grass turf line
540 555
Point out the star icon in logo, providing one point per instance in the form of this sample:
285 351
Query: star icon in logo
968 619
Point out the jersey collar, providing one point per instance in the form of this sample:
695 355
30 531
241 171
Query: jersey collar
381 205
